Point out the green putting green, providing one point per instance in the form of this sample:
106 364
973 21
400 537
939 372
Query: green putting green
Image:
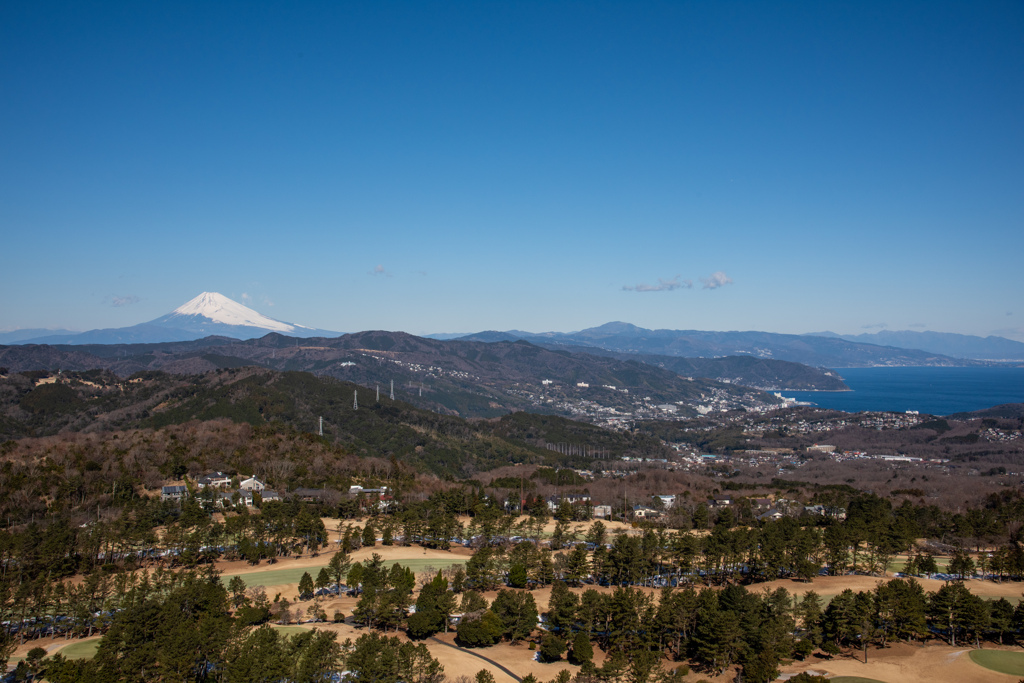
290 630
272 577
1003 661
280 577
899 563
85 649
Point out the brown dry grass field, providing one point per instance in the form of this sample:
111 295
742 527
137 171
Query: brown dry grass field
906 663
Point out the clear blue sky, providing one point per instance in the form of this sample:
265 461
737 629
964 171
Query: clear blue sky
454 167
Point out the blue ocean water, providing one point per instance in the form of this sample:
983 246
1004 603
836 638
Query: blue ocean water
937 391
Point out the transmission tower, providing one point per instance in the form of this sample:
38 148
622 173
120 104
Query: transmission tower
392 390
355 399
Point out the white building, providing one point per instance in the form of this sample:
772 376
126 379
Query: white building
214 479
252 484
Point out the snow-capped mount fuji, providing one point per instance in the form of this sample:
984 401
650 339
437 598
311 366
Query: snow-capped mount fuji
209 314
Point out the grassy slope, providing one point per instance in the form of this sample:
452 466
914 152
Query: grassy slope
1002 661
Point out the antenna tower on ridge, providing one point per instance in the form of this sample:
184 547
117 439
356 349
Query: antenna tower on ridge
392 390
355 399
378 393
321 425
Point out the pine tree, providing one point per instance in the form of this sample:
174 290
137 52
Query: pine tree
961 566
597 535
339 567
948 608
517 576
374 657
428 619
577 565
369 536
562 607
306 587
259 656
313 655
517 611
582 650
237 587
479 632
1001 617
901 605
551 648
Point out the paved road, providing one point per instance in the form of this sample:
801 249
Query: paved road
479 656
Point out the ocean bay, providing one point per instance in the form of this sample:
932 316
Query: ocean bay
933 390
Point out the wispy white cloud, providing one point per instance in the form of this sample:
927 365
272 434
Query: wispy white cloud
119 301
875 326
918 325
662 286
716 280
245 297
380 270
713 281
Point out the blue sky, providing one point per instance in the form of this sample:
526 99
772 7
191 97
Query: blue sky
454 167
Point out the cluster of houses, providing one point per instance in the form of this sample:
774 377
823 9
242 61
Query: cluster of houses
220 487
776 510
220 484
765 509
580 499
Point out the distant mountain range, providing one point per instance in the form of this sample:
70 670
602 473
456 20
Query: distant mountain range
820 351
209 314
29 334
946 343
214 315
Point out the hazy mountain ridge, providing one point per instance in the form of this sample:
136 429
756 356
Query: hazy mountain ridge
759 373
213 314
126 358
956 345
829 352
26 334
1006 410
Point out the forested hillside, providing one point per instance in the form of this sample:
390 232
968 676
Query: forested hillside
94 436
471 379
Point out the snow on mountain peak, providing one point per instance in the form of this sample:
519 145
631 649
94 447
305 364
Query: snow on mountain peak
221 309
